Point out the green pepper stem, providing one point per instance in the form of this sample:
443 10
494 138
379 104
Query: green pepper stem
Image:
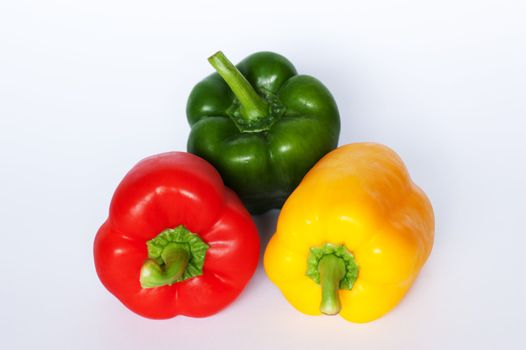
175 257
253 106
332 270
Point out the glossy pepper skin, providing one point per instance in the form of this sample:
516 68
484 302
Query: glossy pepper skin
261 125
176 242
360 203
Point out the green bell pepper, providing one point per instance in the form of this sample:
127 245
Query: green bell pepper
261 125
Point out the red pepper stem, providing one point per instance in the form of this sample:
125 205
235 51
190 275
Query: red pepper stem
175 257
253 106
332 270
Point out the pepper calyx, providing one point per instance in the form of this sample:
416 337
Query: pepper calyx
174 255
340 251
275 110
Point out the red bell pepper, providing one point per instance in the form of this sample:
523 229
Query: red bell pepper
177 242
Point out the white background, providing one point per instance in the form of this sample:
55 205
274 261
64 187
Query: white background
88 88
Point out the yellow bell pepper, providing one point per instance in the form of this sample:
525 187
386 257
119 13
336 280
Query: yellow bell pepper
353 236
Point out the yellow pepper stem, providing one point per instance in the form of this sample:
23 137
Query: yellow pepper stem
332 270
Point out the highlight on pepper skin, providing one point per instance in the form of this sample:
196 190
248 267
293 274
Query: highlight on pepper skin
353 236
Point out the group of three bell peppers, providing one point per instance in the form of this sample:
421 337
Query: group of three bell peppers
352 235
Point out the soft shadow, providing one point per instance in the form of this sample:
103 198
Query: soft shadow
266 224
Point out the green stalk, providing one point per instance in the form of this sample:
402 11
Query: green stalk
332 270
175 257
333 267
254 107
